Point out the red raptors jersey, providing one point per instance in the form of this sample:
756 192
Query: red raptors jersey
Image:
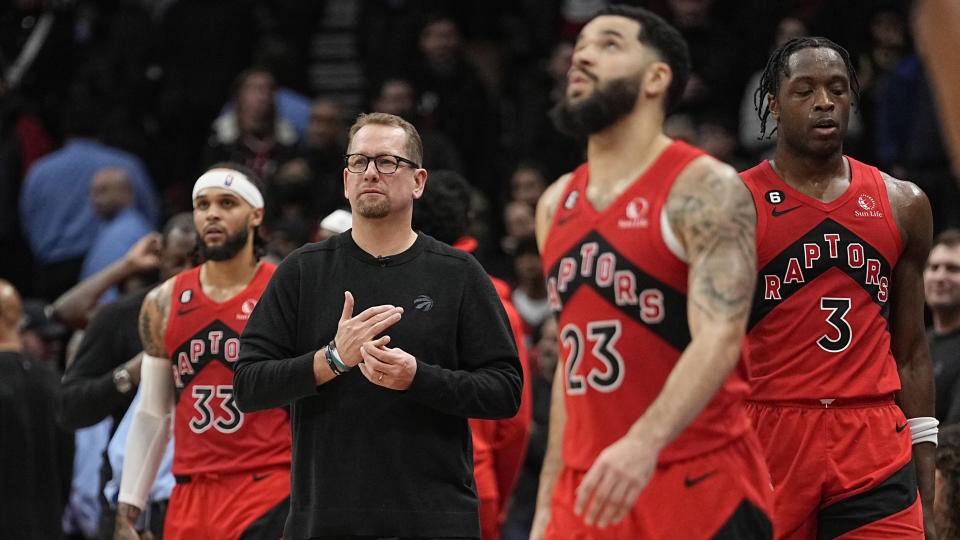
621 294
818 329
203 340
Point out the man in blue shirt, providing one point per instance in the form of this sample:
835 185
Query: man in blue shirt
57 217
112 198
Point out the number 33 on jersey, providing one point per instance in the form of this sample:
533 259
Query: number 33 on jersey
203 340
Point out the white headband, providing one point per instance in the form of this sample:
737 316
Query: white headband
231 180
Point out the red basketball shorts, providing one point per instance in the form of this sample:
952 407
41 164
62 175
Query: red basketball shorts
725 494
249 505
841 471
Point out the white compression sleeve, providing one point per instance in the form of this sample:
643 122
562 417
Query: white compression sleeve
149 432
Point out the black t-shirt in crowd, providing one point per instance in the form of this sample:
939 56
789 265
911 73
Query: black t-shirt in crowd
89 394
945 353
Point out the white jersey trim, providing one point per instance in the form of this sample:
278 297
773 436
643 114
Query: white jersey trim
670 238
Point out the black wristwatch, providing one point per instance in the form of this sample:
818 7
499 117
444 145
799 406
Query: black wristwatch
121 379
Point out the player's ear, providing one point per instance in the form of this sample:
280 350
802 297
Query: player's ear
774 107
257 217
656 79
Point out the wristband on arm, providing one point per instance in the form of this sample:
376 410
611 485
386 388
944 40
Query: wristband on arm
334 361
923 429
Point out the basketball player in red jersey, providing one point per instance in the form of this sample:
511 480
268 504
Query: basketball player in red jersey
232 468
649 254
842 386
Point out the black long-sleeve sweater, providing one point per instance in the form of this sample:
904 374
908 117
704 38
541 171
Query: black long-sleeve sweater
368 460
88 393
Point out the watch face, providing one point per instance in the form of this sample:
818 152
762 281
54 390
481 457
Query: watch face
121 379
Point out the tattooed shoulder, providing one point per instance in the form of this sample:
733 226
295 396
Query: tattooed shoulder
154 314
712 213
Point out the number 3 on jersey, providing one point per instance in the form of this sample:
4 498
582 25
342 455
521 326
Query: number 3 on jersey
838 307
604 336
228 422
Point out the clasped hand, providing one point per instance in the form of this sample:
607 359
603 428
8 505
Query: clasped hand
384 366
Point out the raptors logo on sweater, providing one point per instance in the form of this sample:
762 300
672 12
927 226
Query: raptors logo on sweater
818 328
620 293
203 340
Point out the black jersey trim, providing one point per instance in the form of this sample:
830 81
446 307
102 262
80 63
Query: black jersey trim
779 264
748 522
270 524
895 494
673 329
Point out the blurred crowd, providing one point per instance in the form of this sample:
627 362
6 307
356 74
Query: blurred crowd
110 109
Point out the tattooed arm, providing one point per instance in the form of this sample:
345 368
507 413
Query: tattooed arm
150 429
712 213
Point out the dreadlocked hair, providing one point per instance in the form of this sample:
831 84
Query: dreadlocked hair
777 68
948 463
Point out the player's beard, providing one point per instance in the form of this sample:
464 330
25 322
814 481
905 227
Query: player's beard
225 251
374 210
608 104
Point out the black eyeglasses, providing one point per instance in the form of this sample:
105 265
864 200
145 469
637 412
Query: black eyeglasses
385 163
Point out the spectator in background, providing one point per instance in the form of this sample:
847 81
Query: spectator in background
543 360
284 236
326 144
201 48
530 295
113 200
451 96
889 45
55 211
23 140
311 186
527 182
253 134
76 306
941 284
293 107
559 152
43 338
947 499
36 455
909 144
518 222
714 53
396 96
717 136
